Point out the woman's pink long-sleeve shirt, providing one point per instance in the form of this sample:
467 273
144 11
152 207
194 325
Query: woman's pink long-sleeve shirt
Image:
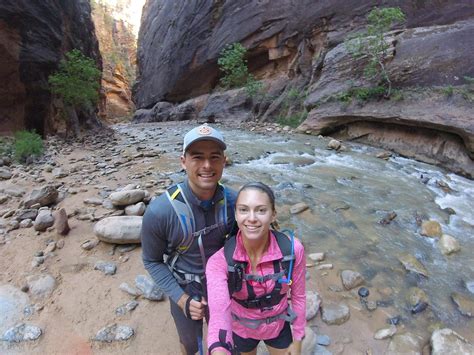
221 305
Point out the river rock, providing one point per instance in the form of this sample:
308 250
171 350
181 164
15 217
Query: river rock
317 257
12 304
148 288
135 210
44 220
108 268
465 304
126 308
4 198
334 144
41 286
431 229
469 284
415 296
298 208
62 224
385 333
114 332
351 279
119 229
5 174
29 213
45 196
406 344
446 341
335 314
448 244
412 264
22 332
127 197
313 302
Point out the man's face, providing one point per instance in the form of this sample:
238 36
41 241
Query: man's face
204 163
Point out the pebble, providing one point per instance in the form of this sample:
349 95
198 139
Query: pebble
363 292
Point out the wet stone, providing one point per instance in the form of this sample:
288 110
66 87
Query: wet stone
22 332
363 292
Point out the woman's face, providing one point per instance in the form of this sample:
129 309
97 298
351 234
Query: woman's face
254 213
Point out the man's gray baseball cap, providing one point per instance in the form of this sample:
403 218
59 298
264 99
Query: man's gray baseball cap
203 133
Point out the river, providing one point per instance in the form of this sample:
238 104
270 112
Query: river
349 193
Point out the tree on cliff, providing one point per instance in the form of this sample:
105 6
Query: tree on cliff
77 83
373 45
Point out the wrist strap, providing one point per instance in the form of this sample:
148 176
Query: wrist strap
186 307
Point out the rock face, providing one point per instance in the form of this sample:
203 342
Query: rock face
300 43
34 35
118 46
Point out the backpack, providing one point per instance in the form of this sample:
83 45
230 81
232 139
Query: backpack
236 273
185 216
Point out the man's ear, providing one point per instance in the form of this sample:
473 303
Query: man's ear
182 158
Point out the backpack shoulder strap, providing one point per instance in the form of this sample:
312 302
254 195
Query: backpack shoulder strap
286 247
185 216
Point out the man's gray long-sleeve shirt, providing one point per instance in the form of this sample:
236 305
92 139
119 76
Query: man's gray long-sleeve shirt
161 234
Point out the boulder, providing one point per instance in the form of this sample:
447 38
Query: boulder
447 341
119 229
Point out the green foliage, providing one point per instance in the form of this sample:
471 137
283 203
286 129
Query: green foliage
293 120
448 90
27 144
293 112
77 80
372 44
253 87
6 146
233 64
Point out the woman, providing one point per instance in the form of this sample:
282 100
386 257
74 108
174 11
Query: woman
248 282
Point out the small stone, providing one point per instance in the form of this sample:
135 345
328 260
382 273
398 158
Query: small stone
317 257
385 333
298 208
448 244
431 229
363 292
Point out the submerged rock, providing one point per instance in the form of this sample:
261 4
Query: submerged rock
465 304
412 264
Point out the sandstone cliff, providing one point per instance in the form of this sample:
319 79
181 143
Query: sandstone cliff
34 35
298 46
116 33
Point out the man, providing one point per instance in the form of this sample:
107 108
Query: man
183 227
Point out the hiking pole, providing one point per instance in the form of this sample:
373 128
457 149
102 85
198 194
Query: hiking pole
199 332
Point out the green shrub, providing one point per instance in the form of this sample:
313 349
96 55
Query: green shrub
77 80
234 66
6 146
372 44
253 87
27 144
292 120
448 91
368 93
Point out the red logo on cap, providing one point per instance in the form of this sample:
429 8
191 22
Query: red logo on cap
204 130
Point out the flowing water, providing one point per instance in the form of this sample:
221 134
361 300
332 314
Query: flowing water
349 193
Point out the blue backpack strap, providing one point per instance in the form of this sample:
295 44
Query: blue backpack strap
185 216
